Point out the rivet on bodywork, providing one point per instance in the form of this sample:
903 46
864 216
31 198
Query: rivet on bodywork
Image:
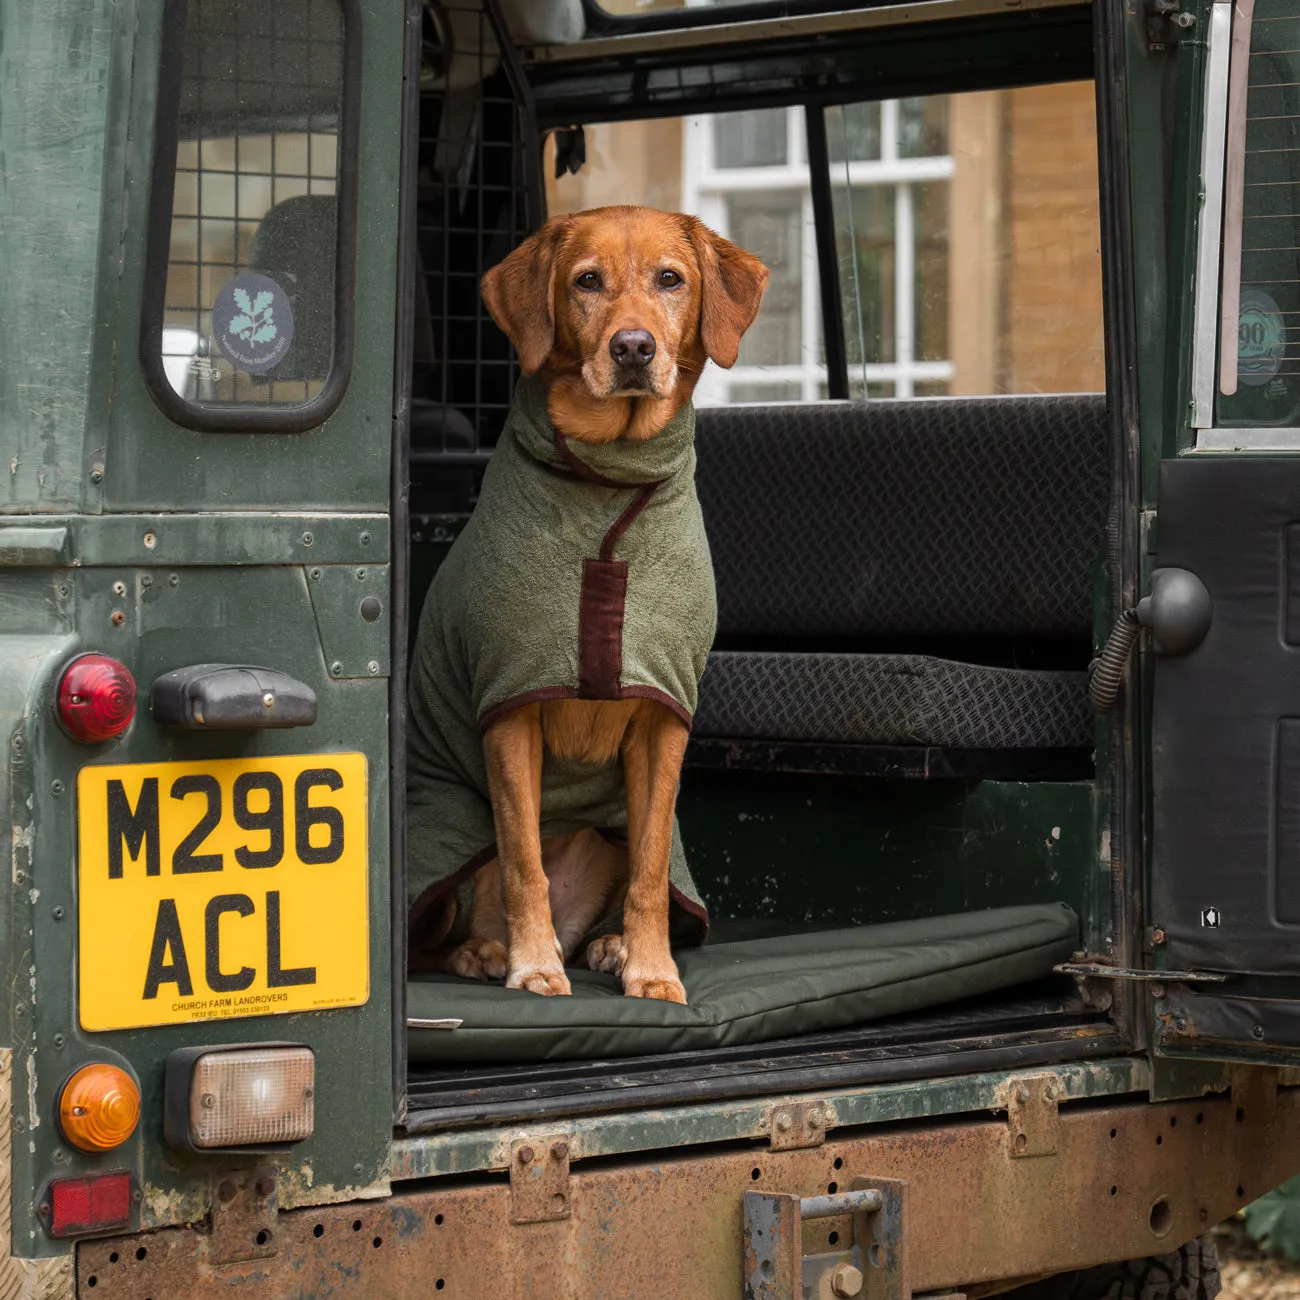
150 540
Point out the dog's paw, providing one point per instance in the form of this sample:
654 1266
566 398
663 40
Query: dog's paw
479 959
547 982
662 988
608 954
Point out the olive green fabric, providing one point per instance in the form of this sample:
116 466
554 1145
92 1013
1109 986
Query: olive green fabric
750 991
501 625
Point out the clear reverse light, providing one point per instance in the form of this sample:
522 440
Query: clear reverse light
252 1096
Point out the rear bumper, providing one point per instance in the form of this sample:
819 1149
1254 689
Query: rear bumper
1098 1181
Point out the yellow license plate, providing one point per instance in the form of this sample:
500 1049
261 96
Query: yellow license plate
213 890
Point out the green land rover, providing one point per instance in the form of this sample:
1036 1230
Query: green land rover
993 792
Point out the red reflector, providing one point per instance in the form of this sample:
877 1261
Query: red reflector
95 1204
96 698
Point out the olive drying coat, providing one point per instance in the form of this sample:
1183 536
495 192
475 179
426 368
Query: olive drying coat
583 573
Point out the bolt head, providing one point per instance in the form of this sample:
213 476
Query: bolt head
847 1280
268 700
226 1189
265 1185
560 1151
150 540
1022 1095
784 1120
118 618
816 1117
525 1155
207 1101
1158 937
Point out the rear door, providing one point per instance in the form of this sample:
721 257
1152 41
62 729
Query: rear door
1225 828
216 877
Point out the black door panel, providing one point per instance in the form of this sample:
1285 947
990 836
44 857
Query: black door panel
1226 755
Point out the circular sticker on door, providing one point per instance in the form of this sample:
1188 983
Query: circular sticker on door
252 322
1260 338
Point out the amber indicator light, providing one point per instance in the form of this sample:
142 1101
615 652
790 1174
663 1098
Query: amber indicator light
99 1108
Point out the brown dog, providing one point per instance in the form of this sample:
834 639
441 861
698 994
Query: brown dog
617 311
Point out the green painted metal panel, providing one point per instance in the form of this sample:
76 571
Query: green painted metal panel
178 548
55 94
856 850
591 1137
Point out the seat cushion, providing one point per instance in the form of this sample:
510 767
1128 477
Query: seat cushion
973 516
890 700
750 991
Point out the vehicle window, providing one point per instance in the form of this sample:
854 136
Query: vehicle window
967 231
1259 360
245 313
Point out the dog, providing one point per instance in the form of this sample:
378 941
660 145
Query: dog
613 313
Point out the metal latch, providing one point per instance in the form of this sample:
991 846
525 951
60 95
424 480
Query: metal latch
539 1179
873 1267
1033 1115
244 1213
794 1124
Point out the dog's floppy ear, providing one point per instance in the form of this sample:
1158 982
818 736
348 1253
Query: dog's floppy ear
732 284
520 294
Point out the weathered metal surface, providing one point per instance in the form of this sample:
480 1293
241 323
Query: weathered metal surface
244 1215
795 1124
772 1251
234 537
539 1180
53 152
1033 1120
883 1240
428 1155
669 1228
23 1279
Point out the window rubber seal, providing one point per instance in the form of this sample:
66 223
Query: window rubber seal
207 418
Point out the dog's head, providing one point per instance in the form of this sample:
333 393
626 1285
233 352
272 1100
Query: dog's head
628 301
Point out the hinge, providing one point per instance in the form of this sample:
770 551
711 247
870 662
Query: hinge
1095 970
1033 1117
539 1179
244 1213
794 1124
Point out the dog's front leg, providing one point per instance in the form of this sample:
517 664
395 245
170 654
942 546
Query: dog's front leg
652 764
513 748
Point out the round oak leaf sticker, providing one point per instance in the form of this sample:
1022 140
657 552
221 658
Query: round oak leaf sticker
252 321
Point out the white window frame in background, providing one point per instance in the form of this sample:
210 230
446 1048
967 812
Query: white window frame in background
705 188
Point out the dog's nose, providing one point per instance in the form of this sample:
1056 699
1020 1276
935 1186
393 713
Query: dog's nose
632 348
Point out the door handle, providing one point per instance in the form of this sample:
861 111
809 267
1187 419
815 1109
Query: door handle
231 697
1178 612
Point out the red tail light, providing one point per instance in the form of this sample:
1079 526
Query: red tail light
96 699
94 1204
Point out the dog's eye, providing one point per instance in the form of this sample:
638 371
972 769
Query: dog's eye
588 280
669 279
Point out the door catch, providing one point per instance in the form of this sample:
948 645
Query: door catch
1178 611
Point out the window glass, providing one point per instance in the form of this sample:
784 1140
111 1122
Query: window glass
752 139
248 313
969 243
1259 347
967 237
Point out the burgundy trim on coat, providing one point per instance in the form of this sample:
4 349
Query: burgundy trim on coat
701 914
600 628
